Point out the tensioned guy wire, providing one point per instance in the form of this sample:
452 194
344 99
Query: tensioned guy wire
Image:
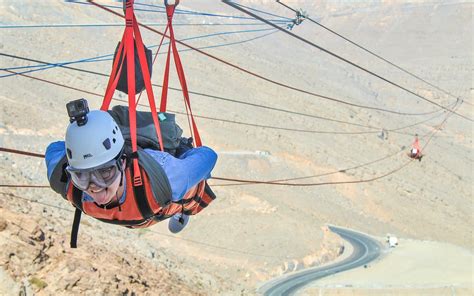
238 7
266 78
374 130
369 51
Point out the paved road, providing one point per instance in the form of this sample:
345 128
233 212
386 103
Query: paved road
365 249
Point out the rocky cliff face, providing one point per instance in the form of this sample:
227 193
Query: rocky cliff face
36 258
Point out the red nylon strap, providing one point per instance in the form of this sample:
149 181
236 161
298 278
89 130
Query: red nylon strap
416 144
166 75
181 76
156 55
147 80
126 50
113 79
132 109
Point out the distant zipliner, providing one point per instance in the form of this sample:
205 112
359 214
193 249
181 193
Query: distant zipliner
415 151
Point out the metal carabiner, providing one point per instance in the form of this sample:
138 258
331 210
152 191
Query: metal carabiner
176 2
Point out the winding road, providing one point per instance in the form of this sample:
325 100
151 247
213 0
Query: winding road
365 249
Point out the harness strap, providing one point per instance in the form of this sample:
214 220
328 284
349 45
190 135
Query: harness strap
184 87
130 55
75 228
142 201
126 50
77 201
416 144
147 80
166 75
182 79
114 77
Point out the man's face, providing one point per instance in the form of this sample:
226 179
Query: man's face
102 196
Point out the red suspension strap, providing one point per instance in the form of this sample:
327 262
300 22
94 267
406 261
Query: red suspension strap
416 144
182 79
126 54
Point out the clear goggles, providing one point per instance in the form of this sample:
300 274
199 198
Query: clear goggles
102 176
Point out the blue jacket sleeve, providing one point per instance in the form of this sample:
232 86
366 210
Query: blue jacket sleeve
54 153
186 171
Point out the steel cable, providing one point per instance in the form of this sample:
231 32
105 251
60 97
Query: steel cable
236 6
266 78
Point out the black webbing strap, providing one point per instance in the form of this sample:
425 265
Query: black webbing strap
77 201
157 178
142 201
208 191
75 228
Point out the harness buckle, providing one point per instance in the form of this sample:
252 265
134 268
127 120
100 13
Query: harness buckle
137 181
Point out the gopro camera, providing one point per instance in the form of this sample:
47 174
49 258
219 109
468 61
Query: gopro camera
77 111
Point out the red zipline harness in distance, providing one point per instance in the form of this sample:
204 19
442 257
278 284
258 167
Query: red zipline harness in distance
126 50
416 145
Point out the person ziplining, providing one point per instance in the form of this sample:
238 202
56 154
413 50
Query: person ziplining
126 167
415 151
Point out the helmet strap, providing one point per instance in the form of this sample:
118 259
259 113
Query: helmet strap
121 183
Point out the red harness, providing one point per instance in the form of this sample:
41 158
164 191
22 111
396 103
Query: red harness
416 145
142 210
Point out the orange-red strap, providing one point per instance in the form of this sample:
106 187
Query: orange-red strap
164 88
114 77
182 79
156 55
147 80
132 110
416 144
126 50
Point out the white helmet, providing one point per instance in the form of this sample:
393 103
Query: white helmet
94 143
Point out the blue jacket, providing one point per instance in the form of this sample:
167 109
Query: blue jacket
183 173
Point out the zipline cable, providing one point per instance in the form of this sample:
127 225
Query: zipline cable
438 128
369 51
248 182
263 77
2 149
377 129
202 94
237 6
240 180
272 182
267 13
104 57
319 183
182 13
122 25
317 175
178 11
23 186
330 173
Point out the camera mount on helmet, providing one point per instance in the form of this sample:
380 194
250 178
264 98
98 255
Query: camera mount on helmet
77 111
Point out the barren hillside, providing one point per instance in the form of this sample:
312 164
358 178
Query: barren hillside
251 233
